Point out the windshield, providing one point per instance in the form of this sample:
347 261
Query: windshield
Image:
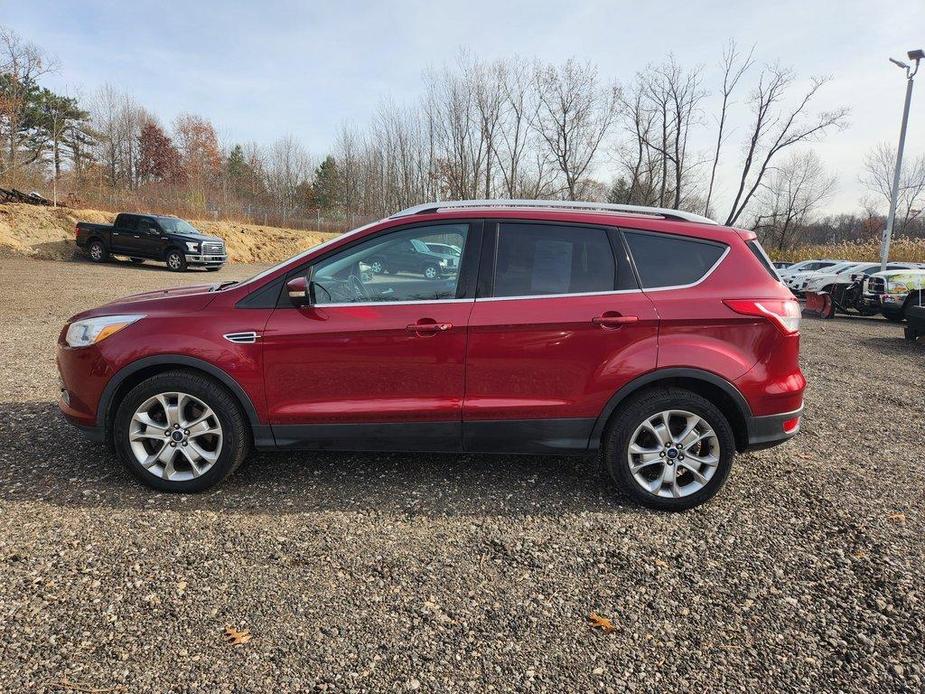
269 271
172 225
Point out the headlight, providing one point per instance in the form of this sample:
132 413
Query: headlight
88 332
192 246
442 262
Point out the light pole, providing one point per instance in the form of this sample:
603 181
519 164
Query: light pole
916 55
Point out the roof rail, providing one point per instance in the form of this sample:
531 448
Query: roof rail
432 207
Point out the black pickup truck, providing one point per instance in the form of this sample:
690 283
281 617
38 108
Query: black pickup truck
152 237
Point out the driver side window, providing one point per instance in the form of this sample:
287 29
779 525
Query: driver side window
397 266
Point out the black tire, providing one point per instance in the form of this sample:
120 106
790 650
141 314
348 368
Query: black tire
176 261
235 431
431 272
137 261
894 316
97 251
632 413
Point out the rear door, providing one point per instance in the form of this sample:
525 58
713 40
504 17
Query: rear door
378 362
558 327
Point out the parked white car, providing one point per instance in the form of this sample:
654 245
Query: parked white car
835 275
795 275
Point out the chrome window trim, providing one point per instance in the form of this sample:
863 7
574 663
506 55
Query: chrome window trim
393 303
558 296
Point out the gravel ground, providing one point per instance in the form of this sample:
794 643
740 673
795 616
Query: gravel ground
436 572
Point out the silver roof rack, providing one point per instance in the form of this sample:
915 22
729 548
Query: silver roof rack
667 213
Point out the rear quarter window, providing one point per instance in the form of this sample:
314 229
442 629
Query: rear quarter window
664 260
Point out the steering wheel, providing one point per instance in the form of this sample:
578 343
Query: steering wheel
359 290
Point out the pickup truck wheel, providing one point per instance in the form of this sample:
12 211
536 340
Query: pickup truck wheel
180 432
669 449
176 261
97 252
431 272
137 261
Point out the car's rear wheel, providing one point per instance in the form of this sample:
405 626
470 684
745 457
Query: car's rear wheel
669 449
97 252
175 260
180 432
431 272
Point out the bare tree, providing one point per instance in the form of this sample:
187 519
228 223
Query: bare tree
877 177
576 111
776 127
21 65
788 197
734 66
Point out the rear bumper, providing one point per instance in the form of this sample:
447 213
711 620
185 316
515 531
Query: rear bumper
772 430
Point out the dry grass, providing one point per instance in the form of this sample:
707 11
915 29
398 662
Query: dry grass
902 249
48 233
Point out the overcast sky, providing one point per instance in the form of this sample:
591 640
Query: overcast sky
264 69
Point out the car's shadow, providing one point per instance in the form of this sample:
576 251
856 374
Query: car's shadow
43 458
147 266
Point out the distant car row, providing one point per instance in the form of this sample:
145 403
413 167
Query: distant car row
831 286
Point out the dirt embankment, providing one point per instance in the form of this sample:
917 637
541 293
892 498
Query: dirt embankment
48 233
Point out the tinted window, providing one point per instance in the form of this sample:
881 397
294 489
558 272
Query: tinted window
392 267
126 221
541 259
663 260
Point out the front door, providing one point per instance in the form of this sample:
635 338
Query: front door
378 361
557 330
146 240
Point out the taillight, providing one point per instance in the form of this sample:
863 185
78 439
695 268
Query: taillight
784 313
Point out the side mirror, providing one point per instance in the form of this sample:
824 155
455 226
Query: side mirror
298 289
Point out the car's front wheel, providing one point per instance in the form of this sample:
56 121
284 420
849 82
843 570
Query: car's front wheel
669 449
431 272
180 432
175 260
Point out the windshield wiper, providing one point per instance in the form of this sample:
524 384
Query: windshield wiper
221 286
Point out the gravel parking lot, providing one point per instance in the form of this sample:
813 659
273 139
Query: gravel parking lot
436 572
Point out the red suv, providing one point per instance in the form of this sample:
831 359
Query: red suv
656 337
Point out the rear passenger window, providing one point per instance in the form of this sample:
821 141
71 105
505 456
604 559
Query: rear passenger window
544 259
127 222
663 260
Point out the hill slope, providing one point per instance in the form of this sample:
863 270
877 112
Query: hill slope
48 233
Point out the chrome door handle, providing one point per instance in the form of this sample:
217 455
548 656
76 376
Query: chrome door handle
613 320
428 327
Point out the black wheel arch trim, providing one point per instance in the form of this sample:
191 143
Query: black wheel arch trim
654 377
106 399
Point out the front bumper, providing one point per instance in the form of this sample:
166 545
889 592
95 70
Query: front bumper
206 260
773 430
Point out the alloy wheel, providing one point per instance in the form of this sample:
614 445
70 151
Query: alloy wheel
175 436
673 453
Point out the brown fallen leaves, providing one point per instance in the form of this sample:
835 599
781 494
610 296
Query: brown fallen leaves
235 637
602 623
897 517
